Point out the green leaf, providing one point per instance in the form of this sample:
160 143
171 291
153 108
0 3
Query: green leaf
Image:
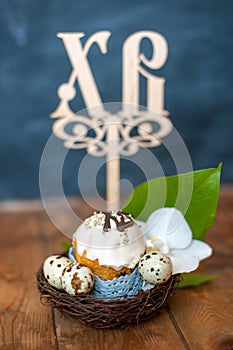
66 246
194 279
195 194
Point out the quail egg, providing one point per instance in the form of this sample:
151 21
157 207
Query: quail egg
77 279
53 267
155 267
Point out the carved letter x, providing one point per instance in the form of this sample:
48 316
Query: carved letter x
81 71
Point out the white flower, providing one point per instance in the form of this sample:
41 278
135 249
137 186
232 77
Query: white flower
167 231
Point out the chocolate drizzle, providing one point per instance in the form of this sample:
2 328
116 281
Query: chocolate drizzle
122 220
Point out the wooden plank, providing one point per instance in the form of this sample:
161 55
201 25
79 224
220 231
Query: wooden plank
205 314
36 205
24 322
158 332
199 318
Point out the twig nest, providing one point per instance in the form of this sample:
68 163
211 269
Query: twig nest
77 279
155 268
53 268
100 313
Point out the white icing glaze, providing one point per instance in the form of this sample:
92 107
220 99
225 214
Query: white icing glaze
112 248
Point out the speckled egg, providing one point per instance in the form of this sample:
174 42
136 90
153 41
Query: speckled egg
77 279
155 267
53 267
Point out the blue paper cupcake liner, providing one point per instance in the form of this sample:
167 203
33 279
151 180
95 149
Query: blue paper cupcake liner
123 287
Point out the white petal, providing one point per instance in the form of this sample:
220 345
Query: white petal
170 224
198 249
183 263
187 260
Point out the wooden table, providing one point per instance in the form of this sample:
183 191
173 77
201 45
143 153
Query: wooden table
195 318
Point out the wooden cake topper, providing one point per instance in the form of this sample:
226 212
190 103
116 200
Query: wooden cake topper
111 132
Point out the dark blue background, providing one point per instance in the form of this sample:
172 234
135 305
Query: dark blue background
33 63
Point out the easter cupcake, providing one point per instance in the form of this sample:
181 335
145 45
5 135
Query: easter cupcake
109 243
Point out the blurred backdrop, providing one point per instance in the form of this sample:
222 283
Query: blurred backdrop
33 63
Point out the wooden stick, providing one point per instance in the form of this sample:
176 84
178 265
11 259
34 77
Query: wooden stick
113 168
